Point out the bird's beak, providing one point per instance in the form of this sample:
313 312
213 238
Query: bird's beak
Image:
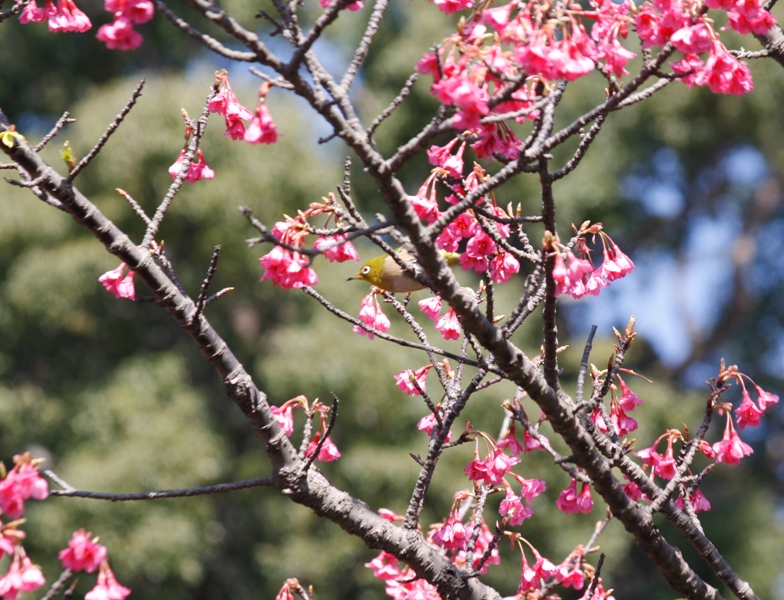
352 278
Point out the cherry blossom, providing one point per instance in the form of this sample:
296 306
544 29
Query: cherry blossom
22 576
405 384
748 413
731 448
262 129
107 587
120 34
336 248
119 285
448 325
83 552
198 169
20 484
371 315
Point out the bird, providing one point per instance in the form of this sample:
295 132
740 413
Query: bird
383 272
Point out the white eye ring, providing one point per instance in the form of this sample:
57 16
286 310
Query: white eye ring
366 269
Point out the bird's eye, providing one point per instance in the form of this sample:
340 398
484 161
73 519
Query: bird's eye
366 269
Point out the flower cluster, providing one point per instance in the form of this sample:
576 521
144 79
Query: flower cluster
287 267
576 276
120 34
117 35
65 16
197 169
20 484
729 450
261 129
620 408
370 314
482 254
284 415
507 49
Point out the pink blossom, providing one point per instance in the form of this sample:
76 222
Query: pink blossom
425 202
649 456
510 441
694 39
21 483
284 415
22 576
82 553
450 6
354 6
584 500
622 422
765 399
513 509
428 423
452 535
634 492
666 467
615 264
287 269
443 157
530 488
731 448
261 130
570 279
197 170
107 587
569 573
698 501
530 442
531 577
384 566
748 413
285 593
138 11
629 400
120 34
68 17
329 451
115 283
404 383
431 307
492 468
706 449
448 325
335 249
371 315
567 500
225 103
502 266
462 227
32 13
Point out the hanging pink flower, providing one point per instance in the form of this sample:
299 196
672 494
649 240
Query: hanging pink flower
115 283
83 552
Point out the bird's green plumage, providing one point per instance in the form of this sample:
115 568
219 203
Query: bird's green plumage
383 272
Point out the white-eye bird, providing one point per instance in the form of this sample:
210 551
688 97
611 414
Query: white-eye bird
383 272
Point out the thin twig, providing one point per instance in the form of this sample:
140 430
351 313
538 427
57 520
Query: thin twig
210 42
71 492
135 206
107 134
578 396
58 585
397 101
211 270
61 122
